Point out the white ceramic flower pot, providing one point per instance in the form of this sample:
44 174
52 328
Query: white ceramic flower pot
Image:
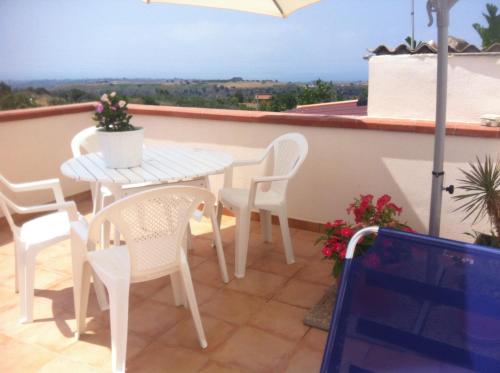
122 149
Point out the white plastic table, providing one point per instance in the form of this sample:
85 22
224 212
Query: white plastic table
161 164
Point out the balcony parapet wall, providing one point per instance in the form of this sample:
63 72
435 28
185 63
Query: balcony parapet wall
262 117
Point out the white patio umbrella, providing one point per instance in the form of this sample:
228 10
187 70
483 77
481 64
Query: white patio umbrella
283 8
276 8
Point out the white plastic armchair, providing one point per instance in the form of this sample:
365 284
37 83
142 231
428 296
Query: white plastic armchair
289 152
153 224
36 234
84 142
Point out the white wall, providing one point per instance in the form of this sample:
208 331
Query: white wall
342 163
405 86
34 149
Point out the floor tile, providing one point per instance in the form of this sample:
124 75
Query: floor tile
319 272
254 349
8 298
158 358
220 368
63 365
315 339
203 294
209 273
258 283
303 244
54 335
274 262
300 293
152 318
281 319
147 288
184 334
95 348
232 306
23 357
305 360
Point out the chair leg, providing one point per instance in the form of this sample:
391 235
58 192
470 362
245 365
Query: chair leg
17 252
26 270
241 242
193 304
220 251
220 209
95 191
177 288
266 225
118 307
189 238
81 290
285 233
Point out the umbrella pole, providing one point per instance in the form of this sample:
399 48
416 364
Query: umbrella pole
443 11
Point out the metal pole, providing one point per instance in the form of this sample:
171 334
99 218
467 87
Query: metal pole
443 12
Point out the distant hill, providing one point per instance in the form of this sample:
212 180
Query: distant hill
233 93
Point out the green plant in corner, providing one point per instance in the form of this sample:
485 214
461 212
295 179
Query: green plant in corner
481 194
491 33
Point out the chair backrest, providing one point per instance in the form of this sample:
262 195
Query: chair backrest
153 224
289 152
85 140
5 203
417 302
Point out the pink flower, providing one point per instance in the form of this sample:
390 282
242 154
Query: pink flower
358 214
99 108
382 201
346 232
365 201
327 251
397 209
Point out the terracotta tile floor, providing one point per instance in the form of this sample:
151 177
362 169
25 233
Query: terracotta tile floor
252 324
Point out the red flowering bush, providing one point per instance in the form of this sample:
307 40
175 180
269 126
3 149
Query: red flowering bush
366 213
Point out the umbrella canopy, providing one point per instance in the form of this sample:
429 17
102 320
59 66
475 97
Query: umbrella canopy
276 8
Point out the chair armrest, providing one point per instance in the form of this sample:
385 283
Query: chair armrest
53 184
268 179
69 206
247 162
80 229
263 179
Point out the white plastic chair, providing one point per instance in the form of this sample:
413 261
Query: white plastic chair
86 141
289 152
36 234
153 224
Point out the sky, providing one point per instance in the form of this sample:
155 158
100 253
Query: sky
92 39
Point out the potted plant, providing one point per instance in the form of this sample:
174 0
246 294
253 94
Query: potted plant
121 142
366 213
481 197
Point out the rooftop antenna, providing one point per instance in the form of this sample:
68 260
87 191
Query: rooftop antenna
412 46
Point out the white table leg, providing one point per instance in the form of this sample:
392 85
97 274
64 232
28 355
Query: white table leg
117 192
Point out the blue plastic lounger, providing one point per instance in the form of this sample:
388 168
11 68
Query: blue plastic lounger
415 303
